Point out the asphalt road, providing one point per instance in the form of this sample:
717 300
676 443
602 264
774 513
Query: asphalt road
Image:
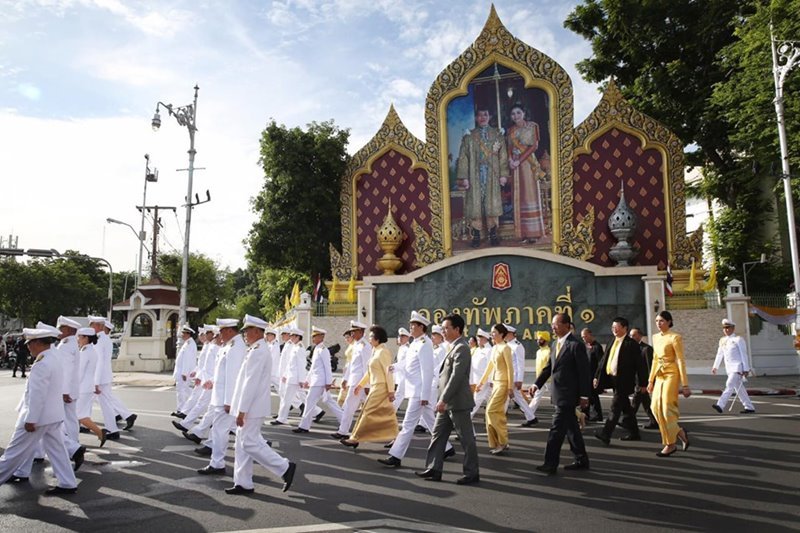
740 474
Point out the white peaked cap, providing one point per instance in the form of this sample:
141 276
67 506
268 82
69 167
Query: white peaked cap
227 322
93 319
251 321
416 317
510 328
41 331
187 328
403 331
437 329
64 321
484 334
318 331
87 332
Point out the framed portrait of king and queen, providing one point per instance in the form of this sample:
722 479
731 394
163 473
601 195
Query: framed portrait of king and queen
498 140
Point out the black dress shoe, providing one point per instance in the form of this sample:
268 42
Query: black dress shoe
111 436
117 418
77 458
429 474
211 471
129 422
389 445
349 443
179 426
192 437
181 415
339 436
288 476
420 429
450 453
747 411
319 416
547 469
17 479
599 435
529 423
60 491
631 436
577 465
203 451
651 425
276 423
468 480
38 460
84 430
299 430
176 414
102 439
391 460
238 489
302 408
717 408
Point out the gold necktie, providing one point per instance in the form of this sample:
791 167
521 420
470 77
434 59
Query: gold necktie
611 365
558 349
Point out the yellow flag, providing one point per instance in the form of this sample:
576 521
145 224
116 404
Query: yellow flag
332 293
286 303
351 290
691 287
711 284
296 294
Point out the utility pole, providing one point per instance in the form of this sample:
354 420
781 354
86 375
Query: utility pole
156 226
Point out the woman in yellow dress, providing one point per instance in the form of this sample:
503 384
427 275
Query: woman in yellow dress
501 370
378 420
667 377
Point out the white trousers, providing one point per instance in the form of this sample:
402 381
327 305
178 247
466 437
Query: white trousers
315 394
222 424
202 428
349 408
199 407
480 398
21 449
537 397
414 413
110 406
182 392
735 382
71 427
523 404
399 395
250 446
191 400
289 392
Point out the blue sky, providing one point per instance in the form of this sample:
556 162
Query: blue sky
79 80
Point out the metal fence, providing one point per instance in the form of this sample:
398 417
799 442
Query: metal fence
694 300
334 309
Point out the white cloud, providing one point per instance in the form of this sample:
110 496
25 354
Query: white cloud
29 91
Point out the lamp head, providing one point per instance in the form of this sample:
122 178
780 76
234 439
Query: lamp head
156 123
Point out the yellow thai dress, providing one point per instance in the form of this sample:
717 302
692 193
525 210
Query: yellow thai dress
667 374
521 139
501 370
378 420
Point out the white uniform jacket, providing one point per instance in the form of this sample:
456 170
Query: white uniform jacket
186 359
209 363
86 369
295 364
229 361
480 360
251 394
42 402
103 374
418 369
275 357
517 359
320 372
733 350
402 351
358 362
68 355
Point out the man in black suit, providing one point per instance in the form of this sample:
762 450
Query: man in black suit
622 368
454 407
569 368
641 396
594 413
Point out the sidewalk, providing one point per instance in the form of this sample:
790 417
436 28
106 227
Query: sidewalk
701 381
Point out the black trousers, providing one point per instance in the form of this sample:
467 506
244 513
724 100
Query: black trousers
565 423
621 406
594 409
642 397
21 364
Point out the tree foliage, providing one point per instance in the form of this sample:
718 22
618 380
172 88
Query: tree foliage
703 69
207 284
298 208
276 284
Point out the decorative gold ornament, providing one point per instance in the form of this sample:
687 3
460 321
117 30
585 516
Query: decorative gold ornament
390 237
426 251
581 244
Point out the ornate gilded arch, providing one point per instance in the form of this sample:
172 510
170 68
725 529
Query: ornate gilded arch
496 44
613 111
392 135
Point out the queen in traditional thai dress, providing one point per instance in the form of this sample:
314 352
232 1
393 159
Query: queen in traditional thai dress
523 141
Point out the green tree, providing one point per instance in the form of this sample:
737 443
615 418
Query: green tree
276 284
298 208
670 59
207 284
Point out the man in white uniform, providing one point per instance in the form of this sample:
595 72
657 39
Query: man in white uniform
68 355
480 360
185 362
271 337
201 430
41 416
319 381
229 361
359 360
293 373
518 359
103 378
733 350
251 403
418 374
402 349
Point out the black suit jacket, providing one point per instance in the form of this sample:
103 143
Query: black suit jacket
647 354
630 368
570 372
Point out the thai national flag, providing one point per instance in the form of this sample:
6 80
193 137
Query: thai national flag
668 281
318 289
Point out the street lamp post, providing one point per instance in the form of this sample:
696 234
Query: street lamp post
747 266
148 176
140 236
785 55
186 116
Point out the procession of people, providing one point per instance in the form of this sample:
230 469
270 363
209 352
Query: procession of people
226 389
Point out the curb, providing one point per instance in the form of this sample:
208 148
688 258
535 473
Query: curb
751 392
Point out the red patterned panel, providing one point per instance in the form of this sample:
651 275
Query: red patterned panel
392 178
617 156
